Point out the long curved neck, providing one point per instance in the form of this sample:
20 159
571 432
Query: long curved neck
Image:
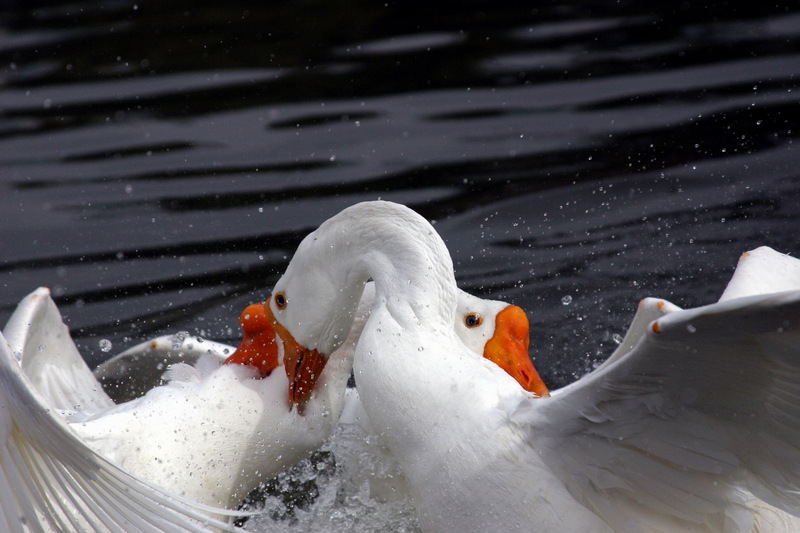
403 254
387 242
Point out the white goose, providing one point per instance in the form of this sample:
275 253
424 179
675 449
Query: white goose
199 435
214 431
677 434
51 481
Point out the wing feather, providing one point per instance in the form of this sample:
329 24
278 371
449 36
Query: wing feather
51 481
38 336
703 409
763 271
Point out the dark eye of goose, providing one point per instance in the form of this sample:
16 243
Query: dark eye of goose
280 300
473 320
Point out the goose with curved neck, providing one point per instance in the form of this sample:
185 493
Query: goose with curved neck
658 440
213 432
389 244
363 242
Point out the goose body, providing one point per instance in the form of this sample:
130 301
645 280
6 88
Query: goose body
199 436
692 428
51 481
214 430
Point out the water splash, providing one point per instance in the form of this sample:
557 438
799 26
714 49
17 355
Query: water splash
179 338
358 489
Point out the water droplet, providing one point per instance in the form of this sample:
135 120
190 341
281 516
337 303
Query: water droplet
105 345
617 338
42 347
178 338
421 349
566 300
691 329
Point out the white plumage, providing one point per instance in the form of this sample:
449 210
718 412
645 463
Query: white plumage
675 434
51 481
210 434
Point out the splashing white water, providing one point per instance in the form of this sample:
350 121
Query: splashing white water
360 491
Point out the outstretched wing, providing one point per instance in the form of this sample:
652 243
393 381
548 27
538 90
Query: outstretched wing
763 271
703 409
49 358
649 309
51 481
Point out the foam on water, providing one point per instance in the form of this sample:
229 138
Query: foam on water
358 489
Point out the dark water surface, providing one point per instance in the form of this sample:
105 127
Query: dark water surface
160 161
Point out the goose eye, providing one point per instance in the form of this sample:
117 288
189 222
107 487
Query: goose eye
473 320
280 300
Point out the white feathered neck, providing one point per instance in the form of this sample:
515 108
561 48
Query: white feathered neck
384 241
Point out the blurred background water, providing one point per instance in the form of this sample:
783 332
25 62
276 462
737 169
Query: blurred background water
160 161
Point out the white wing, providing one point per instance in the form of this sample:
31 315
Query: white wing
51 481
760 271
704 408
49 358
763 271
649 309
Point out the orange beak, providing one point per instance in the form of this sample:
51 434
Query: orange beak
508 349
303 366
258 347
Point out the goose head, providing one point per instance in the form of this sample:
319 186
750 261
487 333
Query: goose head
312 306
501 333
